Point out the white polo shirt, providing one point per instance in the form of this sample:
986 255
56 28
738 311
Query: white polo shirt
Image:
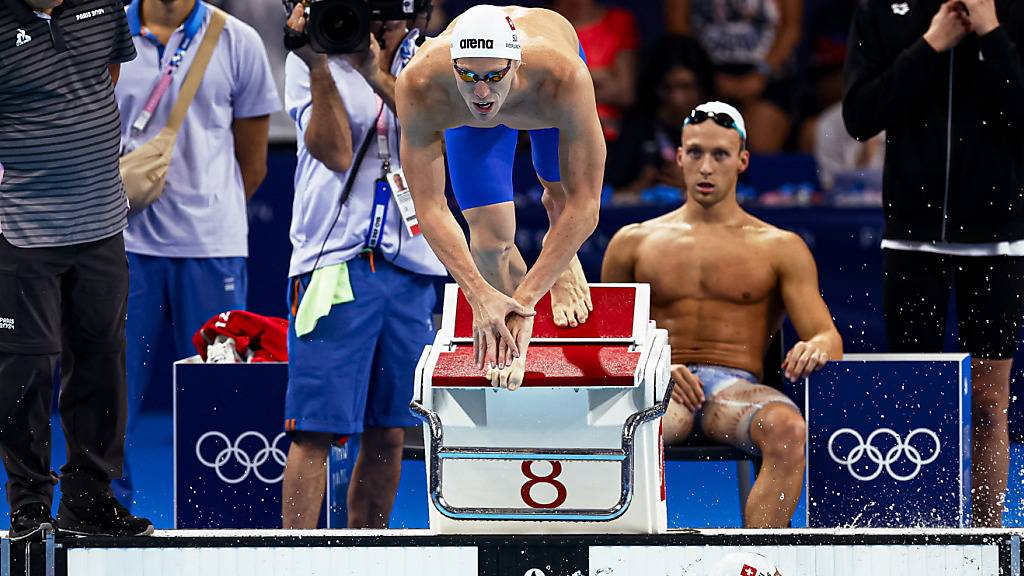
202 212
318 189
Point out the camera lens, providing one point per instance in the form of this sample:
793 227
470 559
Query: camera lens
340 23
339 26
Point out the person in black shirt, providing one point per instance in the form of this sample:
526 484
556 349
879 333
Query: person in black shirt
945 82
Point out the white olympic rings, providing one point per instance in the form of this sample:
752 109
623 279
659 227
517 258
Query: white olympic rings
251 464
867 448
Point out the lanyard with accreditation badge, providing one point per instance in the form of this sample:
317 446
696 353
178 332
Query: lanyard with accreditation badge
191 27
391 184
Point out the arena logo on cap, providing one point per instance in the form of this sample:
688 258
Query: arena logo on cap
476 43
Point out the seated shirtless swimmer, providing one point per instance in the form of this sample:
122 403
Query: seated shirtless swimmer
722 282
493 72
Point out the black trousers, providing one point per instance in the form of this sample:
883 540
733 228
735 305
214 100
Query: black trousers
989 302
66 303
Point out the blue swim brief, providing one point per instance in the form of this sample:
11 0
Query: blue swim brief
480 160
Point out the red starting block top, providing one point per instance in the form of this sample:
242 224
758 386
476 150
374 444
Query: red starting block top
611 318
546 365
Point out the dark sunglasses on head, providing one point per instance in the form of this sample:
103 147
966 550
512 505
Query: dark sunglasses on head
721 118
470 76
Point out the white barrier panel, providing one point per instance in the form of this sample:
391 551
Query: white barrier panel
890 560
340 561
419 553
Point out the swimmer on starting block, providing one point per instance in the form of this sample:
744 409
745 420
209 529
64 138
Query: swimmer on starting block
493 72
722 282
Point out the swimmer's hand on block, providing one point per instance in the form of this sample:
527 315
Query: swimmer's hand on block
494 344
510 377
510 374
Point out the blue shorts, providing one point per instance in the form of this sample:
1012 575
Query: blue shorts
356 368
480 161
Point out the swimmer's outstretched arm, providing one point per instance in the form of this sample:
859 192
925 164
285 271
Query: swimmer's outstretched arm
581 160
798 282
423 163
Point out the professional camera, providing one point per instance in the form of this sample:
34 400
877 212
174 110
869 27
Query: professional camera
343 26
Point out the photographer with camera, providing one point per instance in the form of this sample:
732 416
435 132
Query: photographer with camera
361 293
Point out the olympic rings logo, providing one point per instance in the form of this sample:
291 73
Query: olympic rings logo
866 448
234 452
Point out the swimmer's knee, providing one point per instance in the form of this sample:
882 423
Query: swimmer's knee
492 249
677 424
492 229
780 430
554 197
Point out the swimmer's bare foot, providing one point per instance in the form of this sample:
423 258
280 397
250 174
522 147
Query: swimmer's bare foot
510 377
570 296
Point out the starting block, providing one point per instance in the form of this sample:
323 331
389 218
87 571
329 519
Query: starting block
576 449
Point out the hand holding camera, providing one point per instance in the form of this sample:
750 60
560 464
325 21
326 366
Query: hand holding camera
296 30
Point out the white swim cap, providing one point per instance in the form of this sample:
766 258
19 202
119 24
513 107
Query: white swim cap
743 564
716 107
485 31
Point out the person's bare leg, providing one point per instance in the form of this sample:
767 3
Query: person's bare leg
305 480
781 434
990 460
371 492
492 242
767 125
570 295
677 424
743 414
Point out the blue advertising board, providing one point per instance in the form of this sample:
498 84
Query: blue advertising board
889 441
230 447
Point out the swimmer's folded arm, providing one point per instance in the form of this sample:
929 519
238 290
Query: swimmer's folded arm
423 163
798 283
582 152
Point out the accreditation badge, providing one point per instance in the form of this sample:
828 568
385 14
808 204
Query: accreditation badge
403 197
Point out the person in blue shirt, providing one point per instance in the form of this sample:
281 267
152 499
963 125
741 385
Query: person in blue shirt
187 251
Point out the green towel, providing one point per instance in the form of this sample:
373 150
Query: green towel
327 287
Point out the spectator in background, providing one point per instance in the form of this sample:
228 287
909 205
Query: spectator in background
844 164
265 17
187 251
609 40
439 19
821 54
947 85
751 43
361 305
642 161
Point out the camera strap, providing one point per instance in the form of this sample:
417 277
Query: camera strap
381 191
346 190
191 28
383 148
